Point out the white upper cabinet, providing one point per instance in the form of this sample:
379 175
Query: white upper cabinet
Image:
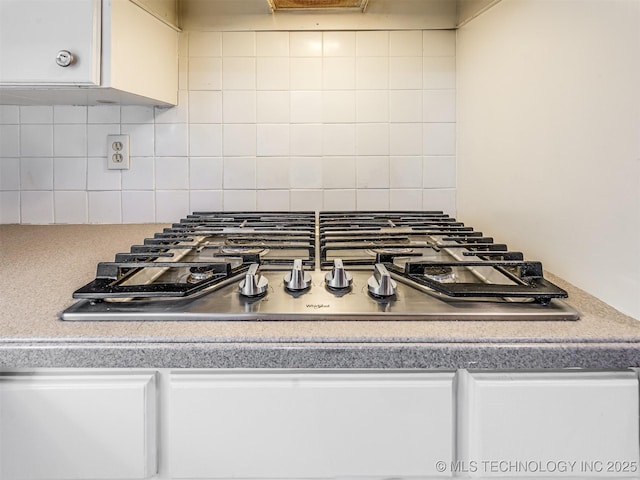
86 52
50 42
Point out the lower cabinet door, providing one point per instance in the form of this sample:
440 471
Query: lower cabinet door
309 425
548 424
77 426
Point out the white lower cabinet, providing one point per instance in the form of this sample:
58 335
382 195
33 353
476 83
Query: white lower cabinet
552 424
309 425
77 425
122 424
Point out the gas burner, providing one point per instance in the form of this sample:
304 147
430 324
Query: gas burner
198 274
389 251
239 250
439 273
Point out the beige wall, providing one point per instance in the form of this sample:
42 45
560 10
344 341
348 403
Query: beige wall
549 137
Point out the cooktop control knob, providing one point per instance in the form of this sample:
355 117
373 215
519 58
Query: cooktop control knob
338 278
297 279
253 284
380 283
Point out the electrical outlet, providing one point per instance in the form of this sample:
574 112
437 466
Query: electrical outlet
118 152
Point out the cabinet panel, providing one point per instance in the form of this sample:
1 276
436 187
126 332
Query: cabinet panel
33 32
77 426
530 423
309 425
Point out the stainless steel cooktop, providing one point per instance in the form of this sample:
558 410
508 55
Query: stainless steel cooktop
376 266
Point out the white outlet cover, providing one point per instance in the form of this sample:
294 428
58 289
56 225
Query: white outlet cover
118 152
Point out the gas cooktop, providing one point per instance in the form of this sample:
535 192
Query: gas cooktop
253 266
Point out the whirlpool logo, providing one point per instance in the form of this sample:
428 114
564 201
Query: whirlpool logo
317 306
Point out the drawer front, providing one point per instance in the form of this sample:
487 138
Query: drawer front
309 425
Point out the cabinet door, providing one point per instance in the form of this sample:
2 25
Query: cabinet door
573 424
309 425
77 426
33 32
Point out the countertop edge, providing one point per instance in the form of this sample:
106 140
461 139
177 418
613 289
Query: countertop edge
448 356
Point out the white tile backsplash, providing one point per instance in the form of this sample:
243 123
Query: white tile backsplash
372 73
70 140
138 206
405 73
338 172
339 44
171 140
372 106
10 141
338 73
238 140
405 43
204 106
101 178
339 106
9 174
205 173
339 200
339 139
9 114
306 140
69 114
405 172
272 44
239 173
205 200
234 200
273 106
238 44
238 73
305 73
372 139
36 206
272 73
272 140
171 205
205 73
172 173
10 207
306 106
36 114
70 206
272 173
272 200
405 138
406 106
36 140
141 174
239 106
305 173
372 172
305 44
205 140
205 44
372 44
301 120
105 207
36 174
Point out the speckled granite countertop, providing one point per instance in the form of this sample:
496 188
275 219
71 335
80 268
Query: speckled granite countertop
40 267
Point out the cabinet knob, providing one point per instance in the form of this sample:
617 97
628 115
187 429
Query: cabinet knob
64 58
